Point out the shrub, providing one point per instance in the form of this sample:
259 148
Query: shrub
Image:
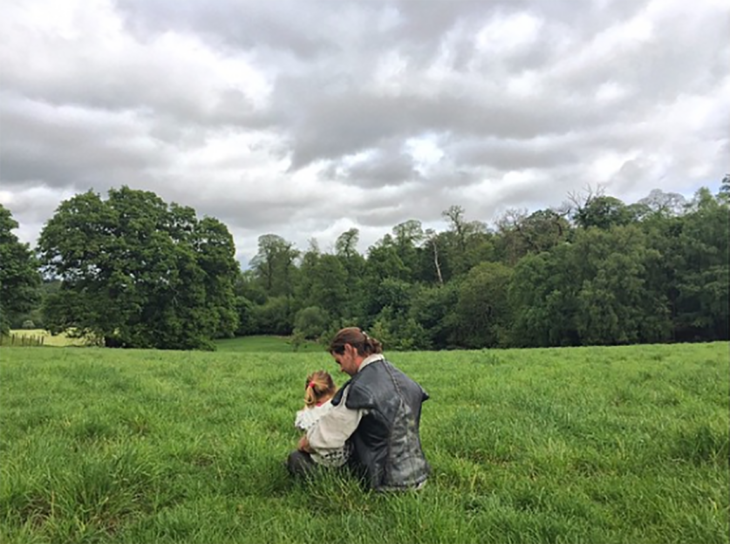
311 322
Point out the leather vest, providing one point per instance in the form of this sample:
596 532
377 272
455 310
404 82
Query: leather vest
386 444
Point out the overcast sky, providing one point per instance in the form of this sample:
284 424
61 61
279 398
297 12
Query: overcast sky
307 118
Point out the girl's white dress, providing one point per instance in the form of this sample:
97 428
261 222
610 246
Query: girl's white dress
305 420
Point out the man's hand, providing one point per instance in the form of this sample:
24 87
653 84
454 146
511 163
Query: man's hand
304 444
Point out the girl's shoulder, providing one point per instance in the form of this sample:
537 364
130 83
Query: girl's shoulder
306 417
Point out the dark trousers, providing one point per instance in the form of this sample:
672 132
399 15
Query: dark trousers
300 463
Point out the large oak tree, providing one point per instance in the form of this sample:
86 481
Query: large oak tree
138 272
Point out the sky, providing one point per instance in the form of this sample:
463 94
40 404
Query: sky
306 119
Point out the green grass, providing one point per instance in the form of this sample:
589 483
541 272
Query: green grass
626 444
57 340
268 344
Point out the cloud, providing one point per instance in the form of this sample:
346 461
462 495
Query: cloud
307 119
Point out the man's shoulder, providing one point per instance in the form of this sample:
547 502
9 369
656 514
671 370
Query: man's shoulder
337 399
368 384
373 367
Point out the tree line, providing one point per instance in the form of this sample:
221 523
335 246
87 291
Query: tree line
135 271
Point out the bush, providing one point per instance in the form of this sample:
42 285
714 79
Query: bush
297 340
398 332
273 317
311 322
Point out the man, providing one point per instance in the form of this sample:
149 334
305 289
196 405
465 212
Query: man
376 414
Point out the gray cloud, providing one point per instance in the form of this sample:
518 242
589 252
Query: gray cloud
68 146
305 119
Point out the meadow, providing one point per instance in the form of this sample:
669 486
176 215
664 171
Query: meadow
599 445
267 344
41 336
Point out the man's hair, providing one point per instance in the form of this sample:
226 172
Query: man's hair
364 344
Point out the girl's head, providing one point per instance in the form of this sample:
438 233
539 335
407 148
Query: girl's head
319 388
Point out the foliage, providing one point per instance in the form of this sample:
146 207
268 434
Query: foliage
324 285
274 264
601 272
521 234
724 192
483 314
19 277
434 309
602 212
615 302
595 290
311 322
138 272
246 316
274 316
595 272
399 332
702 280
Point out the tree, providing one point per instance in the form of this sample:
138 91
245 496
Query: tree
19 276
274 265
724 192
139 273
520 233
432 248
603 212
617 304
702 275
248 286
354 264
543 298
658 202
327 281
383 263
483 314
601 288
455 215
433 308
246 317
215 250
466 243
346 244
406 238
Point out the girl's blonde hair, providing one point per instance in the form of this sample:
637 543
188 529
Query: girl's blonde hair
320 385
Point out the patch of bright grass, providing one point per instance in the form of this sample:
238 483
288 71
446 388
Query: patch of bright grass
55 340
270 344
626 444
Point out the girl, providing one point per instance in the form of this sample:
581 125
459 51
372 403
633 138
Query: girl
318 393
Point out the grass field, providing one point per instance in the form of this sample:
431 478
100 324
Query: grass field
597 445
58 340
269 344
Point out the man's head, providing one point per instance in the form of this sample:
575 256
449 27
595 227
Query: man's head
350 347
348 358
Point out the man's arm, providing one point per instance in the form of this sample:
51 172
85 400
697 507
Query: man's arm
333 429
